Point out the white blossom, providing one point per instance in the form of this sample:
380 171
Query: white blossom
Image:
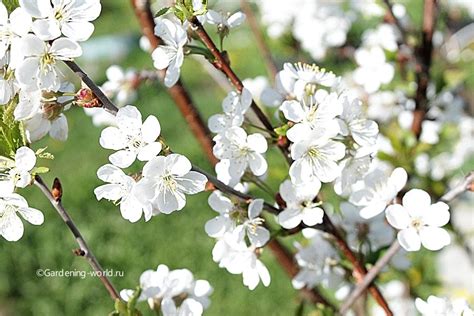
252 226
440 306
132 138
419 221
315 157
18 172
300 204
39 69
225 21
11 226
234 255
234 105
122 189
373 70
69 17
166 180
242 150
320 113
163 288
378 191
170 56
12 27
354 122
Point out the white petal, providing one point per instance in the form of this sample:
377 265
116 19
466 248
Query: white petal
149 151
111 192
59 128
398 178
397 216
131 209
255 208
27 72
112 138
293 111
409 239
374 208
236 19
11 227
25 158
257 142
437 215
151 129
290 218
193 182
78 31
31 215
260 237
46 29
123 158
258 164
110 173
64 48
129 118
416 201
434 238
217 226
313 216
20 21
38 8
178 164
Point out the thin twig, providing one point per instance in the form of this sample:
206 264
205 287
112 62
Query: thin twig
359 269
449 196
369 277
261 44
423 64
85 250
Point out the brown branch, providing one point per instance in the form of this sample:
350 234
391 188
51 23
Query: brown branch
261 44
463 186
177 92
222 64
359 269
423 57
85 251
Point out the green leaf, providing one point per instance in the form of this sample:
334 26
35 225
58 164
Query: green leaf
11 5
281 131
12 134
162 11
39 170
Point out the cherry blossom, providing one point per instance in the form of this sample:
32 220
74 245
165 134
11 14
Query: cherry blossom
69 17
225 21
12 27
18 171
166 180
252 226
378 191
11 226
39 69
132 138
440 306
235 105
373 70
122 189
233 254
316 158
171 55
300 204
419 221
242 151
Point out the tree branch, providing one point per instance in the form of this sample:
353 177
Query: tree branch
396 21
423 64
55 200
465 185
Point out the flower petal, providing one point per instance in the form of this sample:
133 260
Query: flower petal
434 238
409 239
397 216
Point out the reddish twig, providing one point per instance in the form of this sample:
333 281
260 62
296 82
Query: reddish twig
54 197
424 55
261 44
178 92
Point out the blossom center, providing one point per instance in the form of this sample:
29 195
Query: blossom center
169 182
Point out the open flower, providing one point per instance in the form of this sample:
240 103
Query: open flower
419 221
373 70
121 188
223 223
234 106
12 27
379 190
69 17
39 70
242 151
166 180
300 205
171 55
308 78
353 122
18 172
233 254
320 113
132 138
11 226
316 158
225 21
252 227
441 306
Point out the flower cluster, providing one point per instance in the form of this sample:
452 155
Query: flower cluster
34 38
172 292
164 181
